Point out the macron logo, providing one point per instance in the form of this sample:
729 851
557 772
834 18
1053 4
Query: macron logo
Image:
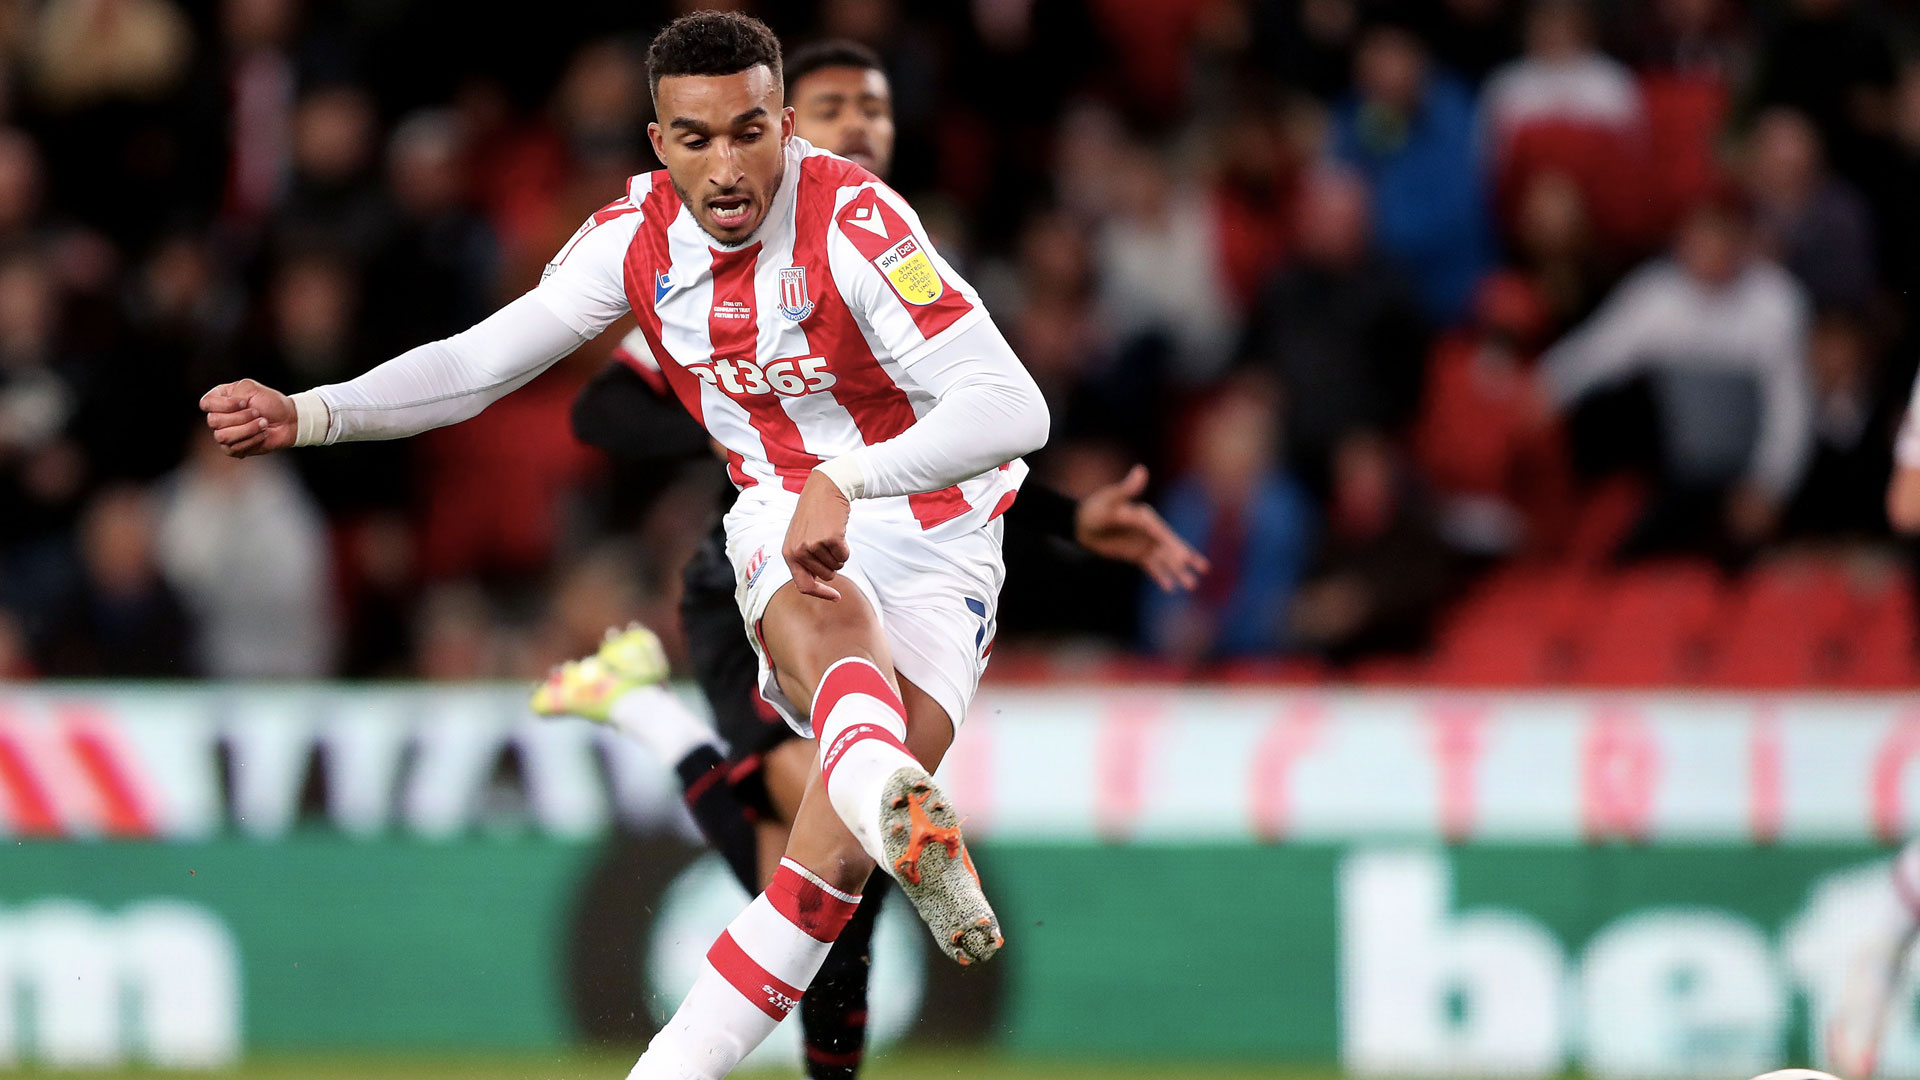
868 218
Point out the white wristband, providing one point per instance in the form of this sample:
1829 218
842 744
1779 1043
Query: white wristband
311 417
844 471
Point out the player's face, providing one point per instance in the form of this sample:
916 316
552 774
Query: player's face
723 140
848 110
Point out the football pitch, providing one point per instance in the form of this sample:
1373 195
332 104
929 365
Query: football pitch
613 1066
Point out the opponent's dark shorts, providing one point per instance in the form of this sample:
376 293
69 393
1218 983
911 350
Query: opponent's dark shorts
728 671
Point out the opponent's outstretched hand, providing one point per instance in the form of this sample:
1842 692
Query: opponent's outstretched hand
1113 523
248 418
816 544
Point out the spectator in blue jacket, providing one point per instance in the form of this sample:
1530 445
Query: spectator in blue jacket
1410 130
1254 523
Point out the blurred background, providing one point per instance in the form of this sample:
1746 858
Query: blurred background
1529 371
1446 328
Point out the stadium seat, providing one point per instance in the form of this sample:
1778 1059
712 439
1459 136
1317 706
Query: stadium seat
1655 627
1788 627
1522 626
1881 632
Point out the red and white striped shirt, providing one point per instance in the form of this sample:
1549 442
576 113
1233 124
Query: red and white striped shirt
796 347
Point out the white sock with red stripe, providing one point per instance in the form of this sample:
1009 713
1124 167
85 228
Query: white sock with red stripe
863 729
753 977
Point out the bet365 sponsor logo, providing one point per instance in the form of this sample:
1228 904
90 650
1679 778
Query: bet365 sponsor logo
155 982
1431 987
796 377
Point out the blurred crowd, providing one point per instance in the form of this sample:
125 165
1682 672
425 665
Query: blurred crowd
1385 294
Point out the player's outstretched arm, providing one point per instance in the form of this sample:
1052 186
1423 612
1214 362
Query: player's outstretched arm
447 381
444 382
439 383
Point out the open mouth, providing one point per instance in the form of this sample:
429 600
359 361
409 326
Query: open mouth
730 211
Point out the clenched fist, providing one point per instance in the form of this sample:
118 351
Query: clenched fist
249 419
816 545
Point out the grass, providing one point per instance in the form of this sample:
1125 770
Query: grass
613 1066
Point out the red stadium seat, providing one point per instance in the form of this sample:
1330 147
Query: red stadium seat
1801 622
1881 632
1656 626
1522 626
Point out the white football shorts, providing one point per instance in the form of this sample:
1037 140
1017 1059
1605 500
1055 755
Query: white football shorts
937 599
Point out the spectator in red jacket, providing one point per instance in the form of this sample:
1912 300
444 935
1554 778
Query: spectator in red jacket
1567 107
1493 455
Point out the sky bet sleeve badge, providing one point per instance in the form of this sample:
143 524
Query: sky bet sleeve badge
912 273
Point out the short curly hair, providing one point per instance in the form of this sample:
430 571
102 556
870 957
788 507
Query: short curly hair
832 53
711 43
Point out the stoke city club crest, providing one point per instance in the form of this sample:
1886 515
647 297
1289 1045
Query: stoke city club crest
794 303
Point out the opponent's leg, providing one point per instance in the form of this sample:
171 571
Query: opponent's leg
721 817
620 686
834 1012
783 772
